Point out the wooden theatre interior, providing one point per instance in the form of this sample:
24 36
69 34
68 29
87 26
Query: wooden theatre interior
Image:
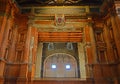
59 41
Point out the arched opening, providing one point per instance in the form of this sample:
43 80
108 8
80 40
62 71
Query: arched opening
60 65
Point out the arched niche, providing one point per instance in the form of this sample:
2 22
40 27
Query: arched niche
60 65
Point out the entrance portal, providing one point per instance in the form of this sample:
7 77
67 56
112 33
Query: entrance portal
60 65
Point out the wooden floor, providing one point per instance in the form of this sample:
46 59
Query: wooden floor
62 78
61 81
69 81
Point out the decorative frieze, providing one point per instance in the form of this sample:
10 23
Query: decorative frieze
67 10
53 26
59 10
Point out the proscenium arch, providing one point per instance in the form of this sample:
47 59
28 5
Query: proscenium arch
60 71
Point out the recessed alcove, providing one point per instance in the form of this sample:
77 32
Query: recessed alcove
60 60
60 65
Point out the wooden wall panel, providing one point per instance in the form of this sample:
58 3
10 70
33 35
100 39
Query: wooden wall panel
12 71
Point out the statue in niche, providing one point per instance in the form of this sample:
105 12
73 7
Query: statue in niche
69 46
50 46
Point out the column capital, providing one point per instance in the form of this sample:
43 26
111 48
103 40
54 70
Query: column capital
31 20
30 23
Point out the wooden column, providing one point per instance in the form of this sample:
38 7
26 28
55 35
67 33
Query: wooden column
3 44
4 12
108 41
4 29
23 74
118 27
4 26
93 43
116 32
88 45
81 55
88 51
38 61
34 51
117 18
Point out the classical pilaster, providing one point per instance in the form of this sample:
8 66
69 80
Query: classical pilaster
116 32
108 41
4 15
90 44
33 46
115 20
89 58
93 43
38 60
81 55
4 26
27 44
88 51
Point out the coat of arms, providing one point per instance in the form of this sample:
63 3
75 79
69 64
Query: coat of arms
59 20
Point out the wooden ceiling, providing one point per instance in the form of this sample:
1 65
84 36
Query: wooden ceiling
60 36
